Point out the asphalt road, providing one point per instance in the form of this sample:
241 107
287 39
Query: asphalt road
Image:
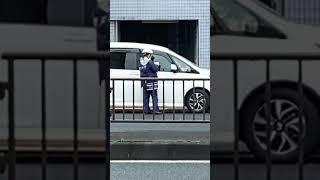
160 133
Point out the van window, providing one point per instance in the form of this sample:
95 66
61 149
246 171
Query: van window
123 60
131 61
241 21
183 67
48 12
117 60
165 63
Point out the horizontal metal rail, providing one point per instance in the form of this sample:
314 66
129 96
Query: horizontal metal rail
87 56
263 56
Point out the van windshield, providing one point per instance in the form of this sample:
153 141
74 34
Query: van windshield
236 17
224 5
172 53
239 19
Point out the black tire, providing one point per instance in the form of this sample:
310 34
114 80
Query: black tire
204 96
284 110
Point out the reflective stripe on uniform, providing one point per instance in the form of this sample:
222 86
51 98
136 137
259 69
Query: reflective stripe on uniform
152 86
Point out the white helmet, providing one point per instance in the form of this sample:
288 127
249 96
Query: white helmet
147 51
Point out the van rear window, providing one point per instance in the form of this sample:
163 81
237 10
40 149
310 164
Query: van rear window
123 60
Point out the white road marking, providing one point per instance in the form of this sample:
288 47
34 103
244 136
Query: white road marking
161 161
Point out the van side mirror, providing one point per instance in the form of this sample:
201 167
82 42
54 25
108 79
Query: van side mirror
174 68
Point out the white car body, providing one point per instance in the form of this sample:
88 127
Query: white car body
297 38
202 76
39 38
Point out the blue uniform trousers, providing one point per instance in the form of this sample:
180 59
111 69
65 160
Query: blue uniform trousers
146 99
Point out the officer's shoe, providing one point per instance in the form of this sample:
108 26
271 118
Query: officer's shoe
157 112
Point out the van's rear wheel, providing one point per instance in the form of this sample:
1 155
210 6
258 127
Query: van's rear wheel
285 129
197 101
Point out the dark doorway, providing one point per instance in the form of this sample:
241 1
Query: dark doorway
179 36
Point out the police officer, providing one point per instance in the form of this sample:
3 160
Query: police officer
148 68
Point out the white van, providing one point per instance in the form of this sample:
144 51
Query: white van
248 26
51 26
125 60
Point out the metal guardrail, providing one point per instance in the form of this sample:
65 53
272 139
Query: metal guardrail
182 115
43 58
235 58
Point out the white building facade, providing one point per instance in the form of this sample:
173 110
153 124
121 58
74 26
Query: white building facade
169 11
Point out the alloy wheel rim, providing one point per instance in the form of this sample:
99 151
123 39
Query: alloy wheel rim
197 101
285 129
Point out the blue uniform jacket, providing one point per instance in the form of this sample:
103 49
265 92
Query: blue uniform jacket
149 70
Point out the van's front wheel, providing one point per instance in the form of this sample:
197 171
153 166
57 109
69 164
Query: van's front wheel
285 125
197 101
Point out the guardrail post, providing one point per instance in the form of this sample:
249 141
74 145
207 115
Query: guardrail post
163 101
206 101
268 112
75 122
236 120
107 118
11 123
301 133
113 101
173 100
43 122
123 102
